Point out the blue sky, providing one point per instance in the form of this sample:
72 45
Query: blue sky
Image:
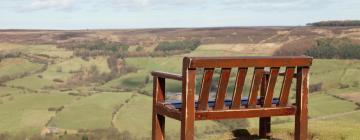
109 14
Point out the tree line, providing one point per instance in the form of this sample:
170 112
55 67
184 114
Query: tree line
336 23
324 48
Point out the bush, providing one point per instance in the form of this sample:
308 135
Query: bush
324 48
315 87
56 109
328 48
178 45
295 48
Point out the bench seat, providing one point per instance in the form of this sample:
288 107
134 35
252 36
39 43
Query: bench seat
211 103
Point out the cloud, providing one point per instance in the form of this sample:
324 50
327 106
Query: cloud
258 5
156 4
36 5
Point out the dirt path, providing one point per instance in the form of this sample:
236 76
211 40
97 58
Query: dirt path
116 110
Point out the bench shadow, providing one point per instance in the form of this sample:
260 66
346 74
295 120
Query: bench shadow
243 134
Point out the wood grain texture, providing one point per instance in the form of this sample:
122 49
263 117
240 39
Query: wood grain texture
238 89
270 86
265 61
188 105
205 88
285 89
302 93
158 121
255 86
222 88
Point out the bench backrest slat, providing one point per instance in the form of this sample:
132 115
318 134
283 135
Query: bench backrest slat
222 87
255 86
238 88
285 89
270 86
205 88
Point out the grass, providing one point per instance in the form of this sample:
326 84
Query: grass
135 117
6 47
17 66
28 113
323 105
36 83
90 112
49 50
62 70
169 64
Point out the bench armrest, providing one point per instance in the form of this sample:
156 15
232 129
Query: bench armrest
167 75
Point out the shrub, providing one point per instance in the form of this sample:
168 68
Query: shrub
56 109
325 48
315 87
178 45
295 48
342 86
328 48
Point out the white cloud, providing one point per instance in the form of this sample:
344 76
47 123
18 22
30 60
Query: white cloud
48 4
156 4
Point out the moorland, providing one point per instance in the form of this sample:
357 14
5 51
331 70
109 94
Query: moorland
96 84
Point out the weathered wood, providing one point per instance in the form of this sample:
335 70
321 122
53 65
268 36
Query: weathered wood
264 82
255 86
167 75
188 106
166 111
266 61
238 89
285 89
205 88
245 113
158 123
264 122
222 87
302 93
270 86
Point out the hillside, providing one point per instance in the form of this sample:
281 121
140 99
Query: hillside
95 83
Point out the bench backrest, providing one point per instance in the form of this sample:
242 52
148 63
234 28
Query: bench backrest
262 80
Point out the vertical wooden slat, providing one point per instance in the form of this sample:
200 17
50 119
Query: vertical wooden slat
264 122
222 87
302 93
238 89
270 86
158 122
188 103
285 89
205 88
255 86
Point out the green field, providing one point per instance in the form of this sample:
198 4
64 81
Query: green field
90 112
28 113
17 66
123 103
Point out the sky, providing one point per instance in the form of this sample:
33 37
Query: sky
123 14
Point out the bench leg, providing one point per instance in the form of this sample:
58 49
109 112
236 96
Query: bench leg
264 127
301 126
158 127
187 129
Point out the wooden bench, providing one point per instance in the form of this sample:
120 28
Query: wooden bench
261 101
